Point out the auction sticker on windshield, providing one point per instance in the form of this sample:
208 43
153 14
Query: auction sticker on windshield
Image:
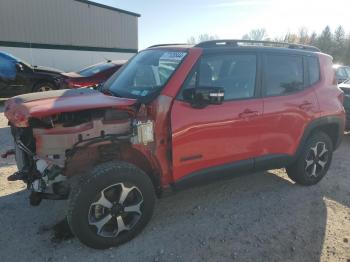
173 56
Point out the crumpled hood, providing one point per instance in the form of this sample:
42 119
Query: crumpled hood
20 108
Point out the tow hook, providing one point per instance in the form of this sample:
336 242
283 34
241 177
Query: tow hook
8 153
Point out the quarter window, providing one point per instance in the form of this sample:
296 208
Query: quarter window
283 74
314 70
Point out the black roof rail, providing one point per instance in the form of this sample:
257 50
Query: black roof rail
165 45
237 43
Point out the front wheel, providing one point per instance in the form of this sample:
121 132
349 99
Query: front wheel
111 206
314 160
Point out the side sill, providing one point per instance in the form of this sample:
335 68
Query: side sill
211 174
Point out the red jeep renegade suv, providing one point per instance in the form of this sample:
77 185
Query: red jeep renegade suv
176 115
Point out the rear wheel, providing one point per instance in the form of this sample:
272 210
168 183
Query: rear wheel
314 161
44 86
111 206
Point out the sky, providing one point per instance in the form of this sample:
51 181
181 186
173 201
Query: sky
176 21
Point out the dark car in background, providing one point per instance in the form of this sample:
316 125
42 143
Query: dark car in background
342 73
19 77
345 86
91 76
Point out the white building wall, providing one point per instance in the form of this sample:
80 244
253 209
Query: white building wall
67 22
66 60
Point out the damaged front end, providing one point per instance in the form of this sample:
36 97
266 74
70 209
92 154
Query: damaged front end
51 131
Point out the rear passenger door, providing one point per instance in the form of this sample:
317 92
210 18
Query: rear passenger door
289 101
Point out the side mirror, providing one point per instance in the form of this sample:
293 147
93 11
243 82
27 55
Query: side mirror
200 97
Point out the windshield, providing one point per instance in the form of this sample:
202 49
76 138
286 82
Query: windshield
95 69
145 74
347 82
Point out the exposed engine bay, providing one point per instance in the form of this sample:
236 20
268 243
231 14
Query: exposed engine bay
43 150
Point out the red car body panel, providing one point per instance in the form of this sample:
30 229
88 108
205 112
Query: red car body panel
18 112
214 135
327 88
285 119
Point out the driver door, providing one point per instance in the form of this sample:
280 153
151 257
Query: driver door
221 137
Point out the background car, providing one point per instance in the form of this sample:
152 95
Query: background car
92 75
345 86
342 73
19 77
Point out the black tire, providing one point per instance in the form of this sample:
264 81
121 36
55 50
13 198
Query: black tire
43 86
306 170
102 180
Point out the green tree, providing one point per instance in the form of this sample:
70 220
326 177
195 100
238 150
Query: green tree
339 45
313 39
325 40
346 56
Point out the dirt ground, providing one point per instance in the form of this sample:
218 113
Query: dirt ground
257 217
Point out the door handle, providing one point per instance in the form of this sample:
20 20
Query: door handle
306 105
248 113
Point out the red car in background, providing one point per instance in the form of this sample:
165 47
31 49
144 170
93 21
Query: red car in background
92 75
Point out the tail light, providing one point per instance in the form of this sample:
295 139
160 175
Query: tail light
75 84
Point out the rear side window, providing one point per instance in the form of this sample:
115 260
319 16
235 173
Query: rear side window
314 70
283 74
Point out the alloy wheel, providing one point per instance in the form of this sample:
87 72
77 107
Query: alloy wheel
44 88
118 209
316 159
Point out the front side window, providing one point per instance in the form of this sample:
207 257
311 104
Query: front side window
283 75
146 74
236 74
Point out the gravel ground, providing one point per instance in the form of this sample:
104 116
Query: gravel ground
257 217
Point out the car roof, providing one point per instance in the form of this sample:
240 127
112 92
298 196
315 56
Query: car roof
244 45
8 56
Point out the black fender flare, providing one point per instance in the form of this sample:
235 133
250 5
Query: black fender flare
316 125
